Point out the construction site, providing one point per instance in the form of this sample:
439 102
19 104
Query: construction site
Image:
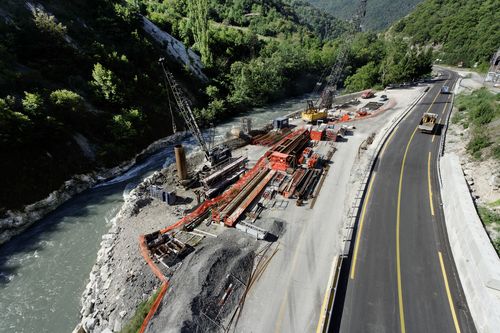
253 219
240 234
238 208
247 192
244 211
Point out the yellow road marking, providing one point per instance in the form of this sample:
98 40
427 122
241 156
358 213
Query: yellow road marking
430 185
448 293
398 223
361 223
433 101
322 314
398 226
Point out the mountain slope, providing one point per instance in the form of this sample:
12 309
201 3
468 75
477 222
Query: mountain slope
379 14
464 30
80 86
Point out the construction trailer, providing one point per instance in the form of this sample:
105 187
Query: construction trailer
280 123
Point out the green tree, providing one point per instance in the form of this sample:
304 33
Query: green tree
33 104
198 18
124 126
256 82
365 77
13 125
47 23
106 84
67 100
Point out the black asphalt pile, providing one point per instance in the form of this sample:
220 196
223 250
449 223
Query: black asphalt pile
206 289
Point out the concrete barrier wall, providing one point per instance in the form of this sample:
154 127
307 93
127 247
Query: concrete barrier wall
477 262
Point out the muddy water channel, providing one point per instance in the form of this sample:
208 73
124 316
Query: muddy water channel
44 271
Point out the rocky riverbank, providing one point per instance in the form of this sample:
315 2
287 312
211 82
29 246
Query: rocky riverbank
106 304
15 222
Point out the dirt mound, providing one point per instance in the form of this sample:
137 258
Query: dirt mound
206 288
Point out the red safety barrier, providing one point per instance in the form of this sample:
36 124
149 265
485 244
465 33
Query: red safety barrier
154 307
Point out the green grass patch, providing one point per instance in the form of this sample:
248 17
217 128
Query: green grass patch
494 203
477 110
478 142
457 117
480 105
141 312
489 217
496 152
496 244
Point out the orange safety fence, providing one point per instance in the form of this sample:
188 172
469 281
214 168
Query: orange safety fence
145 254
154 307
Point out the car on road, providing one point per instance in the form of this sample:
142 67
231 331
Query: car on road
384 98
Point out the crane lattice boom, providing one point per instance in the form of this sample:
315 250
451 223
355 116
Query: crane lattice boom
185 110
326 98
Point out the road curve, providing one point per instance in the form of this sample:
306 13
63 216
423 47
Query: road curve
401 276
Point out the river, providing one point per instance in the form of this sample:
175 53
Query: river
43 272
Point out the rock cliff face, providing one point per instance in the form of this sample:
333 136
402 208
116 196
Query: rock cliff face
176 49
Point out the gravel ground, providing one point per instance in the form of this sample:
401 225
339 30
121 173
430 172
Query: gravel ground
193 302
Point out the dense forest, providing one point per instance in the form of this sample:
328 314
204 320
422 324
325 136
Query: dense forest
380 14
460 31
80 85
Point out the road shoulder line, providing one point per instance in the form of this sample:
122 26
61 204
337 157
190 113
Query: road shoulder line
448 293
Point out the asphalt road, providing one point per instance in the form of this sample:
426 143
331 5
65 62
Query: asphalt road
402 276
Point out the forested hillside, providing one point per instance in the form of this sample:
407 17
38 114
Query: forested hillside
463 30
80 85
81 88
380 13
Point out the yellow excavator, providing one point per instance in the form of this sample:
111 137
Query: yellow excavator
313 113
